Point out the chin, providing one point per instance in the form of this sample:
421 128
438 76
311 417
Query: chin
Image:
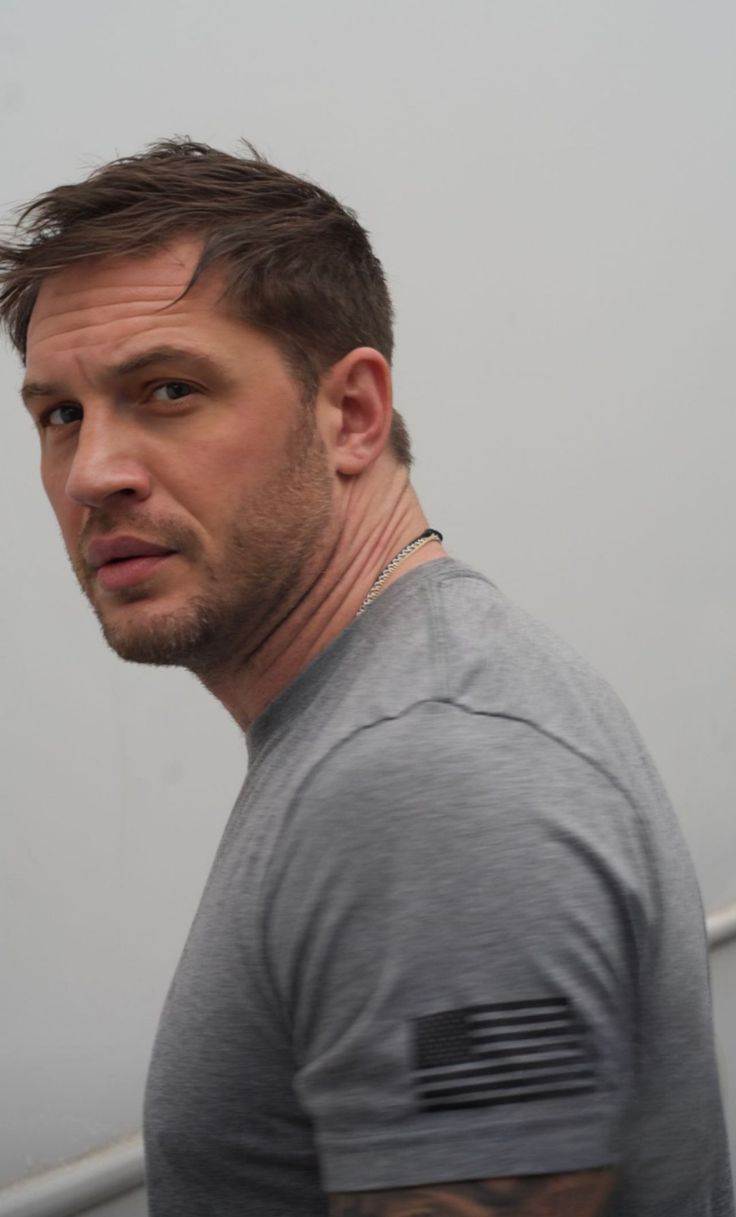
184 639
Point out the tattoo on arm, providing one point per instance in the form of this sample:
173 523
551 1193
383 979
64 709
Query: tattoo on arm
580 1194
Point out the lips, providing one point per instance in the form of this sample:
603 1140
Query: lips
120 549
124 564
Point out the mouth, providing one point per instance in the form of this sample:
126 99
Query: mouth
121 573
122 562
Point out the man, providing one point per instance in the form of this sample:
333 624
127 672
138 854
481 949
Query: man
450 958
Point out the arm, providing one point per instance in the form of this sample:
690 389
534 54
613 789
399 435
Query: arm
450 941
581 1194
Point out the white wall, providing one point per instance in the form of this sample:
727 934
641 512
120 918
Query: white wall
551 185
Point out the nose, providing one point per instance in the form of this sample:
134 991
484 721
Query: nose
107 462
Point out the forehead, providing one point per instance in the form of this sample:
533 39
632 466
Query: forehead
107 301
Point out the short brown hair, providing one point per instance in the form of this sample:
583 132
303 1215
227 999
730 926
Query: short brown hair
297 264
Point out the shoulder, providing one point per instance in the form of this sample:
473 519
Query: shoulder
455 637
441 754
441 793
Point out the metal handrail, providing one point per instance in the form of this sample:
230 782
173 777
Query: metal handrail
721 926
65 1191
116 1170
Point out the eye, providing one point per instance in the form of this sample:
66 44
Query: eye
62 415
173 390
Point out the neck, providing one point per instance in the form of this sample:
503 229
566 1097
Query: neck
371 532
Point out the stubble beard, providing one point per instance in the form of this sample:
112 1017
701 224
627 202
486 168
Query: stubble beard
268 559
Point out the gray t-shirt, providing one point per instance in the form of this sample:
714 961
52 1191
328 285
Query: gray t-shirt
452 932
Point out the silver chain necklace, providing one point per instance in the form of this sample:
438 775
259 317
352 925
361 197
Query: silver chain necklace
431 534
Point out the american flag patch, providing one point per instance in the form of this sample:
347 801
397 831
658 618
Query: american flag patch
509 1052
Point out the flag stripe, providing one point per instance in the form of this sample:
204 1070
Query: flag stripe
499 1037
532 1004
497 1100
542 1078
484 1022
457 1075
524 1050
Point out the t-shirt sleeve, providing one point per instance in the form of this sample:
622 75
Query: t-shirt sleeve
452 917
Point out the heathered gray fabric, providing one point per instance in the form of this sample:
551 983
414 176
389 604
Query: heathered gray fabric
448 811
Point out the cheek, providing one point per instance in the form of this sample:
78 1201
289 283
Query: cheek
53 485
222 474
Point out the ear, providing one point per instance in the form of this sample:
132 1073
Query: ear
355 402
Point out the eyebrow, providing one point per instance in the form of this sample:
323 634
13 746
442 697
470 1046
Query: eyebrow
33 389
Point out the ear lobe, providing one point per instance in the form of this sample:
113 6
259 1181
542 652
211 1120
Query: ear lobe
360 390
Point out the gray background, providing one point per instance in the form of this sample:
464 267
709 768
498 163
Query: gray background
551 185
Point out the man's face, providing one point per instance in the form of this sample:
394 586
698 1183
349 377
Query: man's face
186 471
